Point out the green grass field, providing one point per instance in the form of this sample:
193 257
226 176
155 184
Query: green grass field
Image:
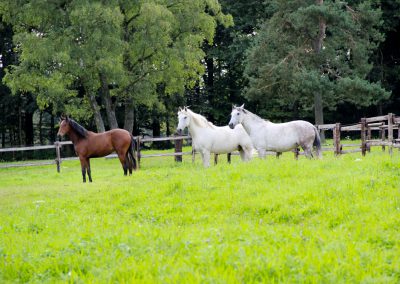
335 220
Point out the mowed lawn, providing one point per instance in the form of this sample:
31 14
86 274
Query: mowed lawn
335 220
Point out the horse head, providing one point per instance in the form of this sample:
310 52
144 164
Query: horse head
64 126
183 119
237 115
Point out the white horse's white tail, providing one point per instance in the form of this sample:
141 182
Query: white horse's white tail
317 143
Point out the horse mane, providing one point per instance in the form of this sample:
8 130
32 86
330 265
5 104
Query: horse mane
79 129
199 119
256 116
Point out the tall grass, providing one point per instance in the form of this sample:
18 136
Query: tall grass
334 220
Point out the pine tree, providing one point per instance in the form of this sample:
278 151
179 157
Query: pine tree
314 54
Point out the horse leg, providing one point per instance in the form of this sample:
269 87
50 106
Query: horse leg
261 153
129 163
242 153
122 159
278 154
83 167
206 158
247 153
307 151
89 172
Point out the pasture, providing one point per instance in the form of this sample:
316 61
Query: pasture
334 220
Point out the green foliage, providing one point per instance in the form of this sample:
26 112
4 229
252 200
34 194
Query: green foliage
285 67
223 80
277 220
66 45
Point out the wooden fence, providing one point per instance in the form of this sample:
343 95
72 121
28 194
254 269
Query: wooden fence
386 125
177 154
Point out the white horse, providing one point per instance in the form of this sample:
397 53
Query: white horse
208 138
277 137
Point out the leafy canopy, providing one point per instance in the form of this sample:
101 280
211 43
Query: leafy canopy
285 69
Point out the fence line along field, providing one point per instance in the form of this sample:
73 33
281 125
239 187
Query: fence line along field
333 220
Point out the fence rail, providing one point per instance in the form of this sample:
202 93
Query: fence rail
58 145
385 124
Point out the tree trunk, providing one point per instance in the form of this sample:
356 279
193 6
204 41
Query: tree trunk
318 42
156 127
19 126
209 81
319 113
96 113
3 130
40 128
28 128
106 97
11 136
167 125
129 115
3 137
210 73
136 127
52 133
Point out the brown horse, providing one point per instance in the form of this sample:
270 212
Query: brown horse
88 145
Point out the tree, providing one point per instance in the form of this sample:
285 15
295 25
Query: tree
62 46
387 57
223 81
81 56
165 40
314 53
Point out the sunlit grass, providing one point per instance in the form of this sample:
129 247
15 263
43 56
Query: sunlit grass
276 220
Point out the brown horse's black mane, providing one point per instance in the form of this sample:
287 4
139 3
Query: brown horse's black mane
79 129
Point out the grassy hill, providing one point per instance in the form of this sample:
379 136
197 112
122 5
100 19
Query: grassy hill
334 220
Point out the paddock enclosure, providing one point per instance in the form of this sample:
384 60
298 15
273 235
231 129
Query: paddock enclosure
385 129
333 220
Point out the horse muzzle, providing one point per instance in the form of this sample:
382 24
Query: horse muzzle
231 125
179 131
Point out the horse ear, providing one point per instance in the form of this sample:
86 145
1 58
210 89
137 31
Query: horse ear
180 109
242 106
233 106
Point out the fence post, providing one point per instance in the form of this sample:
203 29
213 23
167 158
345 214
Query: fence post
193 155
58 154
138 152
336 140
215 159
363 138
383 136
228 156
398 128
390 132
178 149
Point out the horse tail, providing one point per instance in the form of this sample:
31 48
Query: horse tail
131 152
317 142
